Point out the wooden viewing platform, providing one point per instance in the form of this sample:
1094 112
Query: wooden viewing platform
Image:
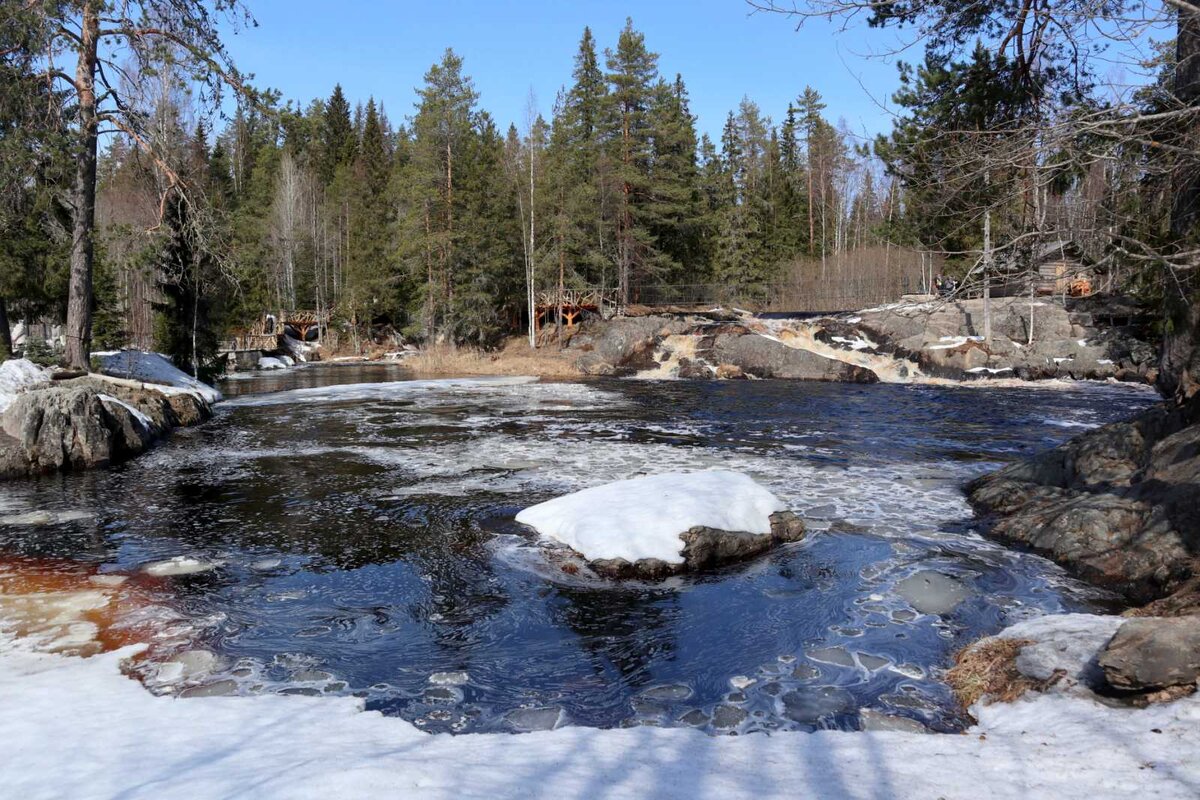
573 303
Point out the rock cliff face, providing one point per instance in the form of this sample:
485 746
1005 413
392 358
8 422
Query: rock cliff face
906 342
88 422
1119 505
1030 339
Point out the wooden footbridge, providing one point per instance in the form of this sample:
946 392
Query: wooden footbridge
247 344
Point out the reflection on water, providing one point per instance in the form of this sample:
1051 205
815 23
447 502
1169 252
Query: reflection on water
365 544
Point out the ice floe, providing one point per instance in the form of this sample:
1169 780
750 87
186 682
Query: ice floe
179 565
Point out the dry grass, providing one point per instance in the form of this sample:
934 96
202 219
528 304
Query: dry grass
989 668
515 358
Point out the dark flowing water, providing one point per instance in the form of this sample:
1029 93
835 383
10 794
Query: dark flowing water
365 540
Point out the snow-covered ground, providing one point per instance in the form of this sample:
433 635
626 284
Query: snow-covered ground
153 368
17 375
77 728
644 517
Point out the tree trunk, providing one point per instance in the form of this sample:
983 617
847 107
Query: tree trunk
1179 364
530 276
987 277
6 342
79 301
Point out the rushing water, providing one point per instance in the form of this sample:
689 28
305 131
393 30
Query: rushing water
366 544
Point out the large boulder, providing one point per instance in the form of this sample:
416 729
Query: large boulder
1153 653
625 344
1030 339
1120 505
88 422
765 357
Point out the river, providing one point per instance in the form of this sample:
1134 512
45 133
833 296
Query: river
361 524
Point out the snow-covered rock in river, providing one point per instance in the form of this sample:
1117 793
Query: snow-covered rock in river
665 524
270 362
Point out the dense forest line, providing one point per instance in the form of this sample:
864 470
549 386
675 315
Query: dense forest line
442 226
439 224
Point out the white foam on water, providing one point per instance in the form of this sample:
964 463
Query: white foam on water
1069 423
374 391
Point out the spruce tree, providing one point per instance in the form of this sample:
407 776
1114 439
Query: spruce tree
675 211
632 72
442 130
368 273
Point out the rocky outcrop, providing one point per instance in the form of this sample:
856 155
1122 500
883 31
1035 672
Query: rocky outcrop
903 342
626 344
707 548
1119 505
1030 339
715 348
763 357
1153 654
88 422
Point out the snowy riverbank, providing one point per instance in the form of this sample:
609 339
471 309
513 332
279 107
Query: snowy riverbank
77 728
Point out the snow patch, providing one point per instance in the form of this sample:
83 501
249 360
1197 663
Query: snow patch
154 369
645 517
145 421
17 375
950 342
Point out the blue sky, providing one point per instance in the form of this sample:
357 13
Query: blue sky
383 48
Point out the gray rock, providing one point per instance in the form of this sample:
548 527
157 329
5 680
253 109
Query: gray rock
766 358
70 426
1119 505
624 344
706 548
727 717
1153 653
